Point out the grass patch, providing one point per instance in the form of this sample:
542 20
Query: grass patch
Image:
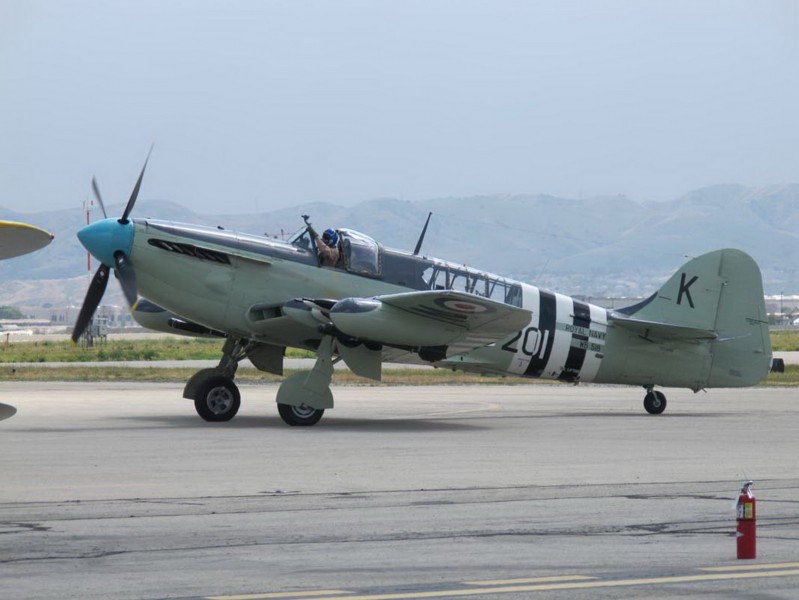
166 348
249 375
180 348
788 379
785 341
185 348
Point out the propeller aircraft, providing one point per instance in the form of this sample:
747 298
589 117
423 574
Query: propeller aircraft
17 239
706 327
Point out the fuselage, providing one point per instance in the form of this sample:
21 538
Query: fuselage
236 283
239 289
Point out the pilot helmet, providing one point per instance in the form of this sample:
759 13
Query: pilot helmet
330 237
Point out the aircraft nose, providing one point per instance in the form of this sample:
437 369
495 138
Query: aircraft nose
105 238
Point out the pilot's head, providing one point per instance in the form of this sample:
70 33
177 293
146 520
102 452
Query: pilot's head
330 237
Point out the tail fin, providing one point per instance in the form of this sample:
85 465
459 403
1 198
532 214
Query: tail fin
720 292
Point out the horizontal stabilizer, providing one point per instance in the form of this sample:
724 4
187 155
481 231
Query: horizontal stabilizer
661 331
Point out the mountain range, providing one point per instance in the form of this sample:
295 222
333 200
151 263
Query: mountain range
601 246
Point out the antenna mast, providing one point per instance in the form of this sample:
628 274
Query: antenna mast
421 237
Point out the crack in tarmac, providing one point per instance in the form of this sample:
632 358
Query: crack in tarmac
22 528
381 500
635 530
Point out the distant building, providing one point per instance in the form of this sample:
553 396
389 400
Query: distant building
116 317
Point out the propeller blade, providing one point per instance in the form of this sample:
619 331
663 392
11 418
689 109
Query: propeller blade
135 193
127 277
91 302
99 198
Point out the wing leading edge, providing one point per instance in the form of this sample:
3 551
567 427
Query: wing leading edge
17 239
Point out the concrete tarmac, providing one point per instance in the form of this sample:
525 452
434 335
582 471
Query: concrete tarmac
534 491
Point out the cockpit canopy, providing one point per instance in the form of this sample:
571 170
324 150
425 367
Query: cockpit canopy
362 255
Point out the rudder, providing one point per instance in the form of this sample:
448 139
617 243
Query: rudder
742 354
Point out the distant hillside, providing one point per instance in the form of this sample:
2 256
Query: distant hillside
610 246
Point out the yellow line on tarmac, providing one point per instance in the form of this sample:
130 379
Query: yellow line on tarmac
752 567
577 585
531 580
314 594
540 584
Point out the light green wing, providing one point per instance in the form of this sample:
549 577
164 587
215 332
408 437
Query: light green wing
455 320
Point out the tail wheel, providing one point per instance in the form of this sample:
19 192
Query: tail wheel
302 415
655 402
217 399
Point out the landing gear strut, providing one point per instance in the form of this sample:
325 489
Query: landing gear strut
216 397
303 397
654 401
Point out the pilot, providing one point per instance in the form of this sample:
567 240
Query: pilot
328 248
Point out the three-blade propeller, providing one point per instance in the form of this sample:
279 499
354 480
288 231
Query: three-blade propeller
123 267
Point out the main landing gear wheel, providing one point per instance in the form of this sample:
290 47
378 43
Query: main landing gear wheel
217 399
302 415
655 402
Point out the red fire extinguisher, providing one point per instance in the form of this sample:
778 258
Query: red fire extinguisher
747 522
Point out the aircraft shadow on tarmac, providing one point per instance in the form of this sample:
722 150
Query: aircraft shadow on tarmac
626 415
583 415
7 411
432 423
330 424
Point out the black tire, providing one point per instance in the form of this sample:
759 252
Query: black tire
302 416
217 399
655 402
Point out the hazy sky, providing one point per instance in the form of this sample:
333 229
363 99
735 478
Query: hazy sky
259 105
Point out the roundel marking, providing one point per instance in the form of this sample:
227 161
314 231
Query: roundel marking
463 306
